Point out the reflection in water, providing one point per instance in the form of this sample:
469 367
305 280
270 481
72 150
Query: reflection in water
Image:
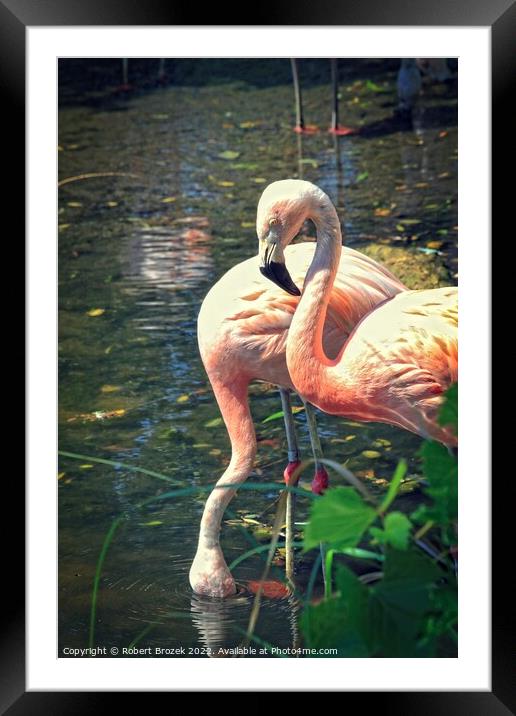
222 623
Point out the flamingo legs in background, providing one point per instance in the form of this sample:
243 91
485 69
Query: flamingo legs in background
335 127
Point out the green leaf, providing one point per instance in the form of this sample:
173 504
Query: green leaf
441 471
213 423
361 177
397 530
449 412
340 518
400 603
229 154
394 486
341 622
280 414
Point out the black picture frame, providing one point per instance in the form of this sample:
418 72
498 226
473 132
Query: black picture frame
500 15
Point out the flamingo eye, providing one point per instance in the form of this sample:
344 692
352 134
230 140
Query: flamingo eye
274 221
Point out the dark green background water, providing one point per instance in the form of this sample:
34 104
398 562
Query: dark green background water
145 247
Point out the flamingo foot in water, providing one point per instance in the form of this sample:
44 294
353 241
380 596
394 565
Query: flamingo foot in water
307 129
210 576
321 481
341 131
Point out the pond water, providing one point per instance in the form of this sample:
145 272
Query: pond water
183 164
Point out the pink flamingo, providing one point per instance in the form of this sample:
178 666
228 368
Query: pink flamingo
242 335
398 360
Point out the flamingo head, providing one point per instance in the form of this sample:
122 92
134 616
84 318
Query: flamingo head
282 209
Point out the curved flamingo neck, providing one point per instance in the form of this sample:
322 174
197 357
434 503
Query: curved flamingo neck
309 366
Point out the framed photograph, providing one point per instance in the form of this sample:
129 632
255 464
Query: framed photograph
149 144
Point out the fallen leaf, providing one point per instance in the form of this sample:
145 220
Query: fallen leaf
96 312
86 466
74 204
60 475
371 454
168 200
382 212
62 227
259 180
229 154
213 423
434 244
226 183
183 398
110 389
152 523
111 203
215 451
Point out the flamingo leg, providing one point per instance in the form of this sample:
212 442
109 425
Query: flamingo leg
300 122
320 482
293 462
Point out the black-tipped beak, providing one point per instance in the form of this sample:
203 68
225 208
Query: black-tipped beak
279 275
276 271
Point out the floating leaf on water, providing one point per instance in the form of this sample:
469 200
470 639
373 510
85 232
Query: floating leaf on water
381 442
442 232
169 200
371 454
63 227
250 521
216 451
262 533
349 437
400 227
227 125
213 423
312 162
382 211
259 180
229 154
245 165
201 445
96 312
432 206
442 134
60 475
86 466
111 203
226 183
74 204
152 523
247 224
249 124
434 244
73 146
110 389
362 177
270 589
183 398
